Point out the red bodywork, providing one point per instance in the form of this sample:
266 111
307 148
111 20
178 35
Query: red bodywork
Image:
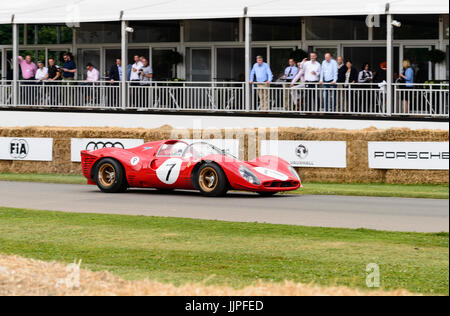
146 167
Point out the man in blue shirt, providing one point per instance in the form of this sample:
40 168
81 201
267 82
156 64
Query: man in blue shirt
329 77
69 68
263 76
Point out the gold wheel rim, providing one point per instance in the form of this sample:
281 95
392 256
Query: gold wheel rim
107 175
208 179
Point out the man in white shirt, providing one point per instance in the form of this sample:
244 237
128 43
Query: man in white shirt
312 70
40 76
136 68
41 72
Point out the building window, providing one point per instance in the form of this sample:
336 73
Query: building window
337 28
414 27
230 64
155 32
279 29
97 33
211 30
445 18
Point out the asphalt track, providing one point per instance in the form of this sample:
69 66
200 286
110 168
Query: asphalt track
394 214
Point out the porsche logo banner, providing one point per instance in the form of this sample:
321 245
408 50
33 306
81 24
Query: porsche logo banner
409 155
79 144
26 149
308 154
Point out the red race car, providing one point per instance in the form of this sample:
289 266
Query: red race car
173 164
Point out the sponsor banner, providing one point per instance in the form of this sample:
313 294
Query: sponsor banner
231 146
27 149
409 155
79 144
308 154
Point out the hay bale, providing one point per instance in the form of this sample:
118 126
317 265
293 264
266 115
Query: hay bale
357 171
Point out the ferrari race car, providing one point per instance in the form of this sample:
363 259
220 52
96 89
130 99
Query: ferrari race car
173 164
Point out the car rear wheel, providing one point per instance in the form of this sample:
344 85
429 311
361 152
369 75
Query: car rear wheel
211 180
110 176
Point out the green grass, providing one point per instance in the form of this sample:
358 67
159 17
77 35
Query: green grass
381 190
237 254
43 178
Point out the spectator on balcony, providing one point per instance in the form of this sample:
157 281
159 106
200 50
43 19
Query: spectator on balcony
136 68
28 67
53 71
381 75
312 76
69 68
365 75
289 74
297 93
115 73
145 76
146 72
407 79
263 76
92 74
53 76
41 72
291 71
329 78
350 78
342 69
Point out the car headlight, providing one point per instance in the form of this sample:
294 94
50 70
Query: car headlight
249 176
294 173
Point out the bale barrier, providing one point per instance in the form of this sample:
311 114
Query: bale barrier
357 170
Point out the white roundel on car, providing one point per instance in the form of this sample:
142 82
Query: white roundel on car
272 173
169 171
134 161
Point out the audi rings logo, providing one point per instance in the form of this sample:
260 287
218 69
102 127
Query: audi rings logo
100 145
19 149
302 151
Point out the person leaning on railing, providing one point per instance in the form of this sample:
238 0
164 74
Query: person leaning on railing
53 77
407 78
312 77
41 76
69 68
297 92
350 78
328 78
263 76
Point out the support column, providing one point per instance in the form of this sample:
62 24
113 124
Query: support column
124 57
390 62
248 56
15 62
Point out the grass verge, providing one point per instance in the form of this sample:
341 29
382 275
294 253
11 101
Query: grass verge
180 251
380 190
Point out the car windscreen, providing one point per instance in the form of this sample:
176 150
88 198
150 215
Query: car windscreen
172 149
200 150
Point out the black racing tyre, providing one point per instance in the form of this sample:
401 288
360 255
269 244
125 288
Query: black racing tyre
267 194
110 176
211 180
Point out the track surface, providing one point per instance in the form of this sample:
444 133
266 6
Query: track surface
395 214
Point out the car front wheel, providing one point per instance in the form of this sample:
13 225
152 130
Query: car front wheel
211 180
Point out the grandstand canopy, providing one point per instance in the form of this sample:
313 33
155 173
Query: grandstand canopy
51 11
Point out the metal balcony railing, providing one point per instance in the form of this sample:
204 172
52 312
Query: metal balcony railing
424 100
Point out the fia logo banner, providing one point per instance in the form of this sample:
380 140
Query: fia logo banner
19 148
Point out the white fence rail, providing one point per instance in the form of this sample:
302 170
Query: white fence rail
421 99
426 100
